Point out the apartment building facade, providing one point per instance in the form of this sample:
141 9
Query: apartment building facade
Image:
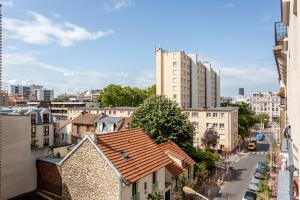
223 120
286 53
72 113
18 154
266 102
186 80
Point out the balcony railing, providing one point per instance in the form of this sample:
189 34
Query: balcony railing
280 32
155 187
136 196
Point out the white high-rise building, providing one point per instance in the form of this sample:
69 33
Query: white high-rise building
44 95
186 80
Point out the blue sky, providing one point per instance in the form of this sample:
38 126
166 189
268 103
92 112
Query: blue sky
71 47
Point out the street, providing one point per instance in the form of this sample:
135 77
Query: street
242 170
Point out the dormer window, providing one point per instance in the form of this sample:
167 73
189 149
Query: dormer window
100 127
111 127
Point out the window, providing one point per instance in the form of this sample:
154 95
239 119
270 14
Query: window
222 136
174 55
174 96
295 7
33 131
221 115
145 186
174 64
134 188
175 72
221 126
78 129
111 127
46 118
195 124
174 88
194 114
174 80
114 112
46 130
109 112
154 177
208 125
215 125
46 142
33 118
208 115
215 115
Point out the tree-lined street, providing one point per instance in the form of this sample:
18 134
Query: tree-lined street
242 170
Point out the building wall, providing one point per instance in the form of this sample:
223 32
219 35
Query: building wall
18 161
86 175
180 77
111 112
293 78
228 134
49 177
127 191
266 103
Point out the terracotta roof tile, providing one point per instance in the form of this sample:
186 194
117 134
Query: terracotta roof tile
170 148
126 124
87 118
144 156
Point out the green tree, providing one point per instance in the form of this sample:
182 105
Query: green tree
246 119
116 95
210 138
163 120
262 118
155 196
201 172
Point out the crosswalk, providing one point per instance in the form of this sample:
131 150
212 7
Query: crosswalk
257 153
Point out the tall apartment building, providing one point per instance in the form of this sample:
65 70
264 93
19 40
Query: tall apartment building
44 95
266 102
19 90
186 80
286 53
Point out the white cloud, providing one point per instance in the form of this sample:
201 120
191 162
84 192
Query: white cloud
56 15
7 3
113 5
145 78
41 30
26 67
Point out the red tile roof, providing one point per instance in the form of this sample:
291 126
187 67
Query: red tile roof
170 148
144 156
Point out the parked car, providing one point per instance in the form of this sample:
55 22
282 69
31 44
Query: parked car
254 184
261 176
261 167
250 196
259 137
251 146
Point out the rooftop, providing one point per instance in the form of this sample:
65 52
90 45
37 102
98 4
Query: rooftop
133 153
88 119
171 149
212 109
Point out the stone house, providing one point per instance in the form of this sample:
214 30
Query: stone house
181 168
124 165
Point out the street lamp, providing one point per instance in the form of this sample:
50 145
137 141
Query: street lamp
188 190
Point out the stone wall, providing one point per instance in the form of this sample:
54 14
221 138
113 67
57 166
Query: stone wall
86 175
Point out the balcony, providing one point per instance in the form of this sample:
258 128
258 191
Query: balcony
155 187
136 196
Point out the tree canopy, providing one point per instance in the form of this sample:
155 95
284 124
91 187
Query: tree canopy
210 138
163 120
262 118
246 119
116 95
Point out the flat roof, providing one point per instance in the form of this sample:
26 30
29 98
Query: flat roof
103 108
212 109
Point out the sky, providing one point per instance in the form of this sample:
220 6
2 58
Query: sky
71 46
